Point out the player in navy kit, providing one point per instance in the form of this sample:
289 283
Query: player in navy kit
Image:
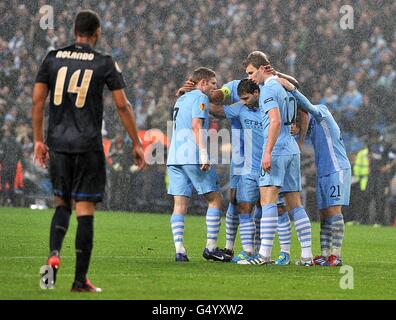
74 77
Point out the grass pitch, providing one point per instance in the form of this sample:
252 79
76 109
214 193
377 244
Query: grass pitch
133 258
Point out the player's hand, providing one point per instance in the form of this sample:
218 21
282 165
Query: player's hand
138 153
40 154
267 161
204 158
188 86
270 69
286 84
295 130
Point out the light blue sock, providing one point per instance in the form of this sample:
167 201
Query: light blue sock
284 232
232 222
303 229
325 237
247 229
268 226
213 222
337 233
177 224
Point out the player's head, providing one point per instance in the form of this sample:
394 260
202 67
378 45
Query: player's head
249 93
205 79
87 25
258 66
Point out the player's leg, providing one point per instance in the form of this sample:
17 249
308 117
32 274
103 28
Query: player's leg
232 222
206 183
181 188
325 225
177 223
246 231
269 220
247 196
284 232
59 226
61 174
213 222
333 222
270 183
302 223
89 180
257 220
337 193
84 244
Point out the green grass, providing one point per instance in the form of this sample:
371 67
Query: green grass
133 258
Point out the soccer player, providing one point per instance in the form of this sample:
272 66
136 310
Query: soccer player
280 170
247 192
333 176
74 77
228 95
189 166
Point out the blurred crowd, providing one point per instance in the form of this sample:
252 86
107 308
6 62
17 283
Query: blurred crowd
158 43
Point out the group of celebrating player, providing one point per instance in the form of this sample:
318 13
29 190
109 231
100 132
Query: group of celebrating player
267 179
265 186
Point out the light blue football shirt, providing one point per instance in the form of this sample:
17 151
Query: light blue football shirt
183 148
273 95
237 143
252 126
325 134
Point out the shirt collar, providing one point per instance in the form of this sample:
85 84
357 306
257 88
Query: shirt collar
269 79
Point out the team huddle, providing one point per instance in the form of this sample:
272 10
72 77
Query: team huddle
265 186
265 180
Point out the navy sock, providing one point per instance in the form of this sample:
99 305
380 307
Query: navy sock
59 226
84 245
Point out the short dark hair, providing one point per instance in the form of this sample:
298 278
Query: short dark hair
86 23
257 59
203 73
247 86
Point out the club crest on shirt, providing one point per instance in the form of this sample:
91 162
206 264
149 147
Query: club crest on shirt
202 106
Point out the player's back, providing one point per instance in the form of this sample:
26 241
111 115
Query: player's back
273 94
183 149
326 137
76 76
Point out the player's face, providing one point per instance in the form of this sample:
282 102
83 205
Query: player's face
209 85
254 74
250 99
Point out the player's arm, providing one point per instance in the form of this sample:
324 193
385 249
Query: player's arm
302 101
124 109
188 86
289 78
217 110
200 140
217 96
302 123
273 133
40 93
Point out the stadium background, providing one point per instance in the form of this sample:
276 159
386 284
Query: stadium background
157 44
